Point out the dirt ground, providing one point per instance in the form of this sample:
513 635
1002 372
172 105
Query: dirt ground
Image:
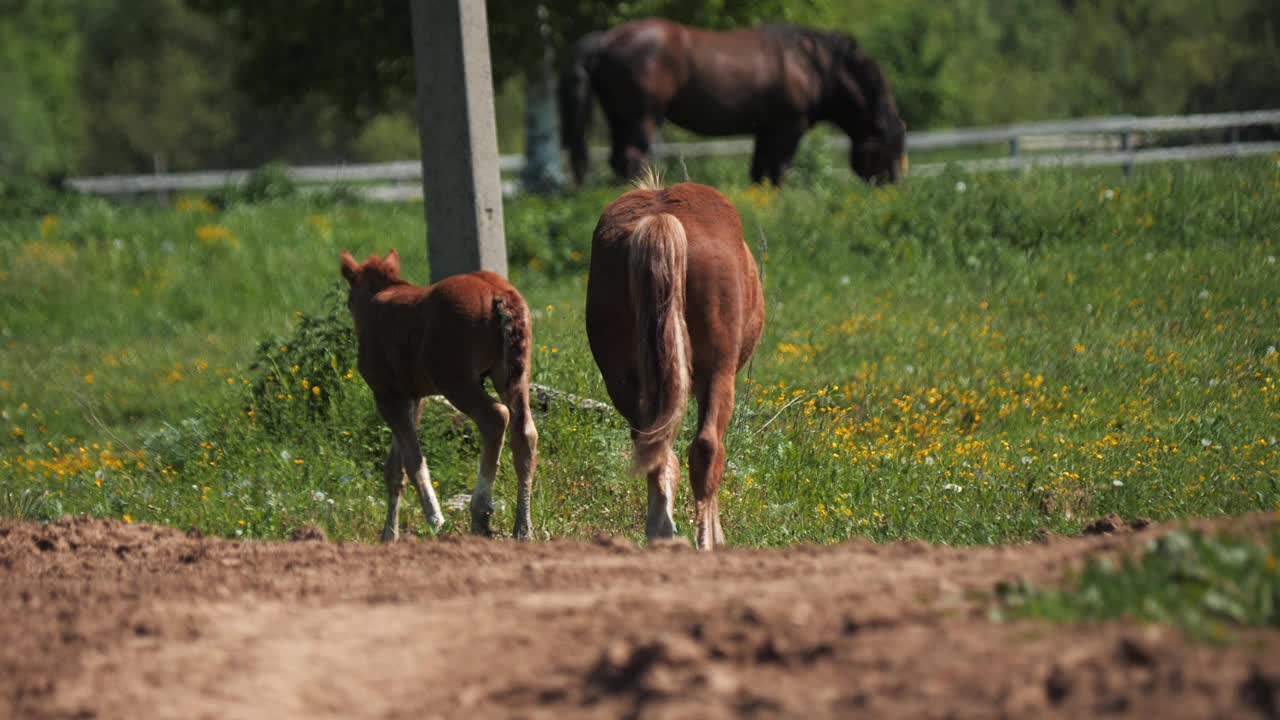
99 619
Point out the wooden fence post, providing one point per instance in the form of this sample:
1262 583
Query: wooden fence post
1125 146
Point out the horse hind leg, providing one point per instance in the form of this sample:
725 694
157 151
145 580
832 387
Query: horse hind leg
706 458
490 418
524 452
660 520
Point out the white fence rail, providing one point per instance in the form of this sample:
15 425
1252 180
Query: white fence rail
406 177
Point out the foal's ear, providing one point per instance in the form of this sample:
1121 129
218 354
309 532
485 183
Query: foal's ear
349 266
392 261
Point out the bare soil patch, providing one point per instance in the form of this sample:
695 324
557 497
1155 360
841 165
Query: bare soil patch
103 619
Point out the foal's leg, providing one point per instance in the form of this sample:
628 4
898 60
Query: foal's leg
491 418
393 475
524 451
706 456
402 415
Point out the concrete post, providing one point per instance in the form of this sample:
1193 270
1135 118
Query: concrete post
461 185
541 122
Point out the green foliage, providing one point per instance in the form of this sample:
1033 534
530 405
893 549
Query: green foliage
983 62
267 183
1250 75
30 504
25 197
553 234
1203 584
387 138
157 83
1170 56
366 58
39 115
311 363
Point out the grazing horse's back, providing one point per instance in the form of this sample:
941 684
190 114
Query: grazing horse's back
674 308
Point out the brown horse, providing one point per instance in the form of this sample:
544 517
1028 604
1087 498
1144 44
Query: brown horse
772 82
445 339
674 307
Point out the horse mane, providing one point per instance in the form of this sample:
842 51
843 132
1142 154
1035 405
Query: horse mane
650 178
842 49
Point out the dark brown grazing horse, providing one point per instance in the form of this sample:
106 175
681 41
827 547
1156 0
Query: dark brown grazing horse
674 307
771 82
445 339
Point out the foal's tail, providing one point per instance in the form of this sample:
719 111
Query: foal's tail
656 274
517 342
575 103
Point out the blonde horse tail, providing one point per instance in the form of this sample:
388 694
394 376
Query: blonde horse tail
656 273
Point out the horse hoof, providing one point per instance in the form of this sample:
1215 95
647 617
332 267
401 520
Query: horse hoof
480 524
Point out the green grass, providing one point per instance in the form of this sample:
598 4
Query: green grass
1203 584
963 359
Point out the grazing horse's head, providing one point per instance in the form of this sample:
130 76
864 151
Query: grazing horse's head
862 104
370 277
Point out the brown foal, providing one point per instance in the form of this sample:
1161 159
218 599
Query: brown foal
445 339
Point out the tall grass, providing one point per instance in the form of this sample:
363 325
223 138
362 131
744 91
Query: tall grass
963 359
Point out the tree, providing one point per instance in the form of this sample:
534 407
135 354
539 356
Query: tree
357 54
39 116
156 86
1170 56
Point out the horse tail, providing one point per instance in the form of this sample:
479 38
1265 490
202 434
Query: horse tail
657 260
575 103
517 342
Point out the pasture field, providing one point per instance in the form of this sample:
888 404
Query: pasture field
960 359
